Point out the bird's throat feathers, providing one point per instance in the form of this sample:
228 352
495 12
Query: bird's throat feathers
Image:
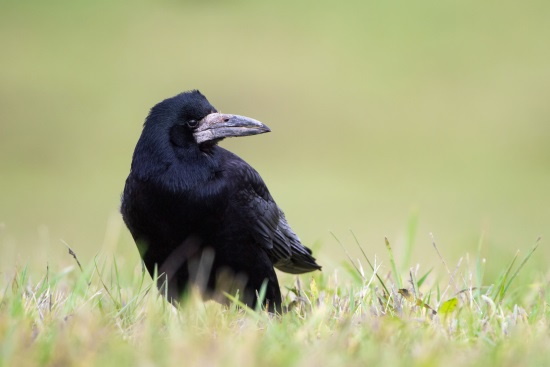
176 169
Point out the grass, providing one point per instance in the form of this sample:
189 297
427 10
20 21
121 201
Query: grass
108 313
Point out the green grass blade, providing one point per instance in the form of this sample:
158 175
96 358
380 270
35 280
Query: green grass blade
370 264
525 259
261 296
423 278
392 262
502 279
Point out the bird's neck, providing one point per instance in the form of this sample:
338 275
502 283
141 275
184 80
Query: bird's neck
176 170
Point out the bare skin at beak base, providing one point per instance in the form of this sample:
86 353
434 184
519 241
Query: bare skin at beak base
218 126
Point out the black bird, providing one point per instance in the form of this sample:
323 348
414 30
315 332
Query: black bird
201 215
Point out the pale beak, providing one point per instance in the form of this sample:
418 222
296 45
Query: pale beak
217 126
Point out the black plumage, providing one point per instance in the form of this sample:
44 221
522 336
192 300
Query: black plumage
200 214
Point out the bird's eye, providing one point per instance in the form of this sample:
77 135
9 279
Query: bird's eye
192 123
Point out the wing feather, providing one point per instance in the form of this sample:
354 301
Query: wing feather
268 224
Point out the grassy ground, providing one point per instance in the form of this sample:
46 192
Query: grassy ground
109 314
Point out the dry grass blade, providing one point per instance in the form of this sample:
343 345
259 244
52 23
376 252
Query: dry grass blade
73 254
348 256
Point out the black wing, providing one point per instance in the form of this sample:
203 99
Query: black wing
267 221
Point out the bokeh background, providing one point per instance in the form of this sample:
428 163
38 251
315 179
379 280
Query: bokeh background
389 118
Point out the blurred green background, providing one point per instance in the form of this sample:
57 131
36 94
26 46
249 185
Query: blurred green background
384 114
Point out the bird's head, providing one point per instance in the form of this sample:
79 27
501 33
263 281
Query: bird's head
191 120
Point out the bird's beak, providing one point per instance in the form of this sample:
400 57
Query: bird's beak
218 126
